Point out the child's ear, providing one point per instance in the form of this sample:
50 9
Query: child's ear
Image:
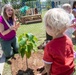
49 26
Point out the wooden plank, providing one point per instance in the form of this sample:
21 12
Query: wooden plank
31 18
39 20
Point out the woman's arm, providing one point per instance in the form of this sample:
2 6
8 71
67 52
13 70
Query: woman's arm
2 31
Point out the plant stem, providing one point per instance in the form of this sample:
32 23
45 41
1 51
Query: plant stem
26 62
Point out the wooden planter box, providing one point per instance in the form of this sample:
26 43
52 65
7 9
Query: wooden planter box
31 18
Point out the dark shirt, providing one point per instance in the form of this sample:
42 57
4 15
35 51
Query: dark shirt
10 21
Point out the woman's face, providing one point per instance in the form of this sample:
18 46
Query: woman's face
9 11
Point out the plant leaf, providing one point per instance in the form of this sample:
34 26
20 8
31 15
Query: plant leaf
27 42
22 52
30 36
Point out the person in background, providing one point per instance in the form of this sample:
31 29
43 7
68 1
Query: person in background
74 12
8 28
68 8
58 55
74 5
48 38
69 32
35 11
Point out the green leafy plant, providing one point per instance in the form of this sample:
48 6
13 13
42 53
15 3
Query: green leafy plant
27 45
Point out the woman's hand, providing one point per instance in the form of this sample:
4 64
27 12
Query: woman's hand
12 28
15 27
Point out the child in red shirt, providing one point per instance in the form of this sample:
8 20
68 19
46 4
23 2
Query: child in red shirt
58 54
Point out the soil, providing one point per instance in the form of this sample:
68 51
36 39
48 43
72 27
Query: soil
18 65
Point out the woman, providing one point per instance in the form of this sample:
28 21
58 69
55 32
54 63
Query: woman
8 28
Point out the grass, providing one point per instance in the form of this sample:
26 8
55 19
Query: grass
38 30
7 69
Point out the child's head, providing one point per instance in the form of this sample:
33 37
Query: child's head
56 21
67 7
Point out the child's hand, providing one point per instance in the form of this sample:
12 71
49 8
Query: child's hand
39 74
42 71
42 74
73 25
74 54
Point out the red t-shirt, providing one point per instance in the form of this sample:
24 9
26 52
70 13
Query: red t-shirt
59 51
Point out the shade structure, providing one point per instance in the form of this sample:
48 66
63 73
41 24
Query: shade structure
24 9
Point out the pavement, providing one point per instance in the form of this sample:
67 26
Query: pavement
2 62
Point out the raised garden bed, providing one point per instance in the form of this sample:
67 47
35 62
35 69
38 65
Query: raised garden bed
31 18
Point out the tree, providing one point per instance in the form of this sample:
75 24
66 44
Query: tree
5 1
24 2
48 4
27 44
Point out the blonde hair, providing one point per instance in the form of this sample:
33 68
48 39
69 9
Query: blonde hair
66 6
57 19
3 13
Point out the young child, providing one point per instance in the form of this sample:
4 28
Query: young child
74 8
74 12
68 8
58 54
